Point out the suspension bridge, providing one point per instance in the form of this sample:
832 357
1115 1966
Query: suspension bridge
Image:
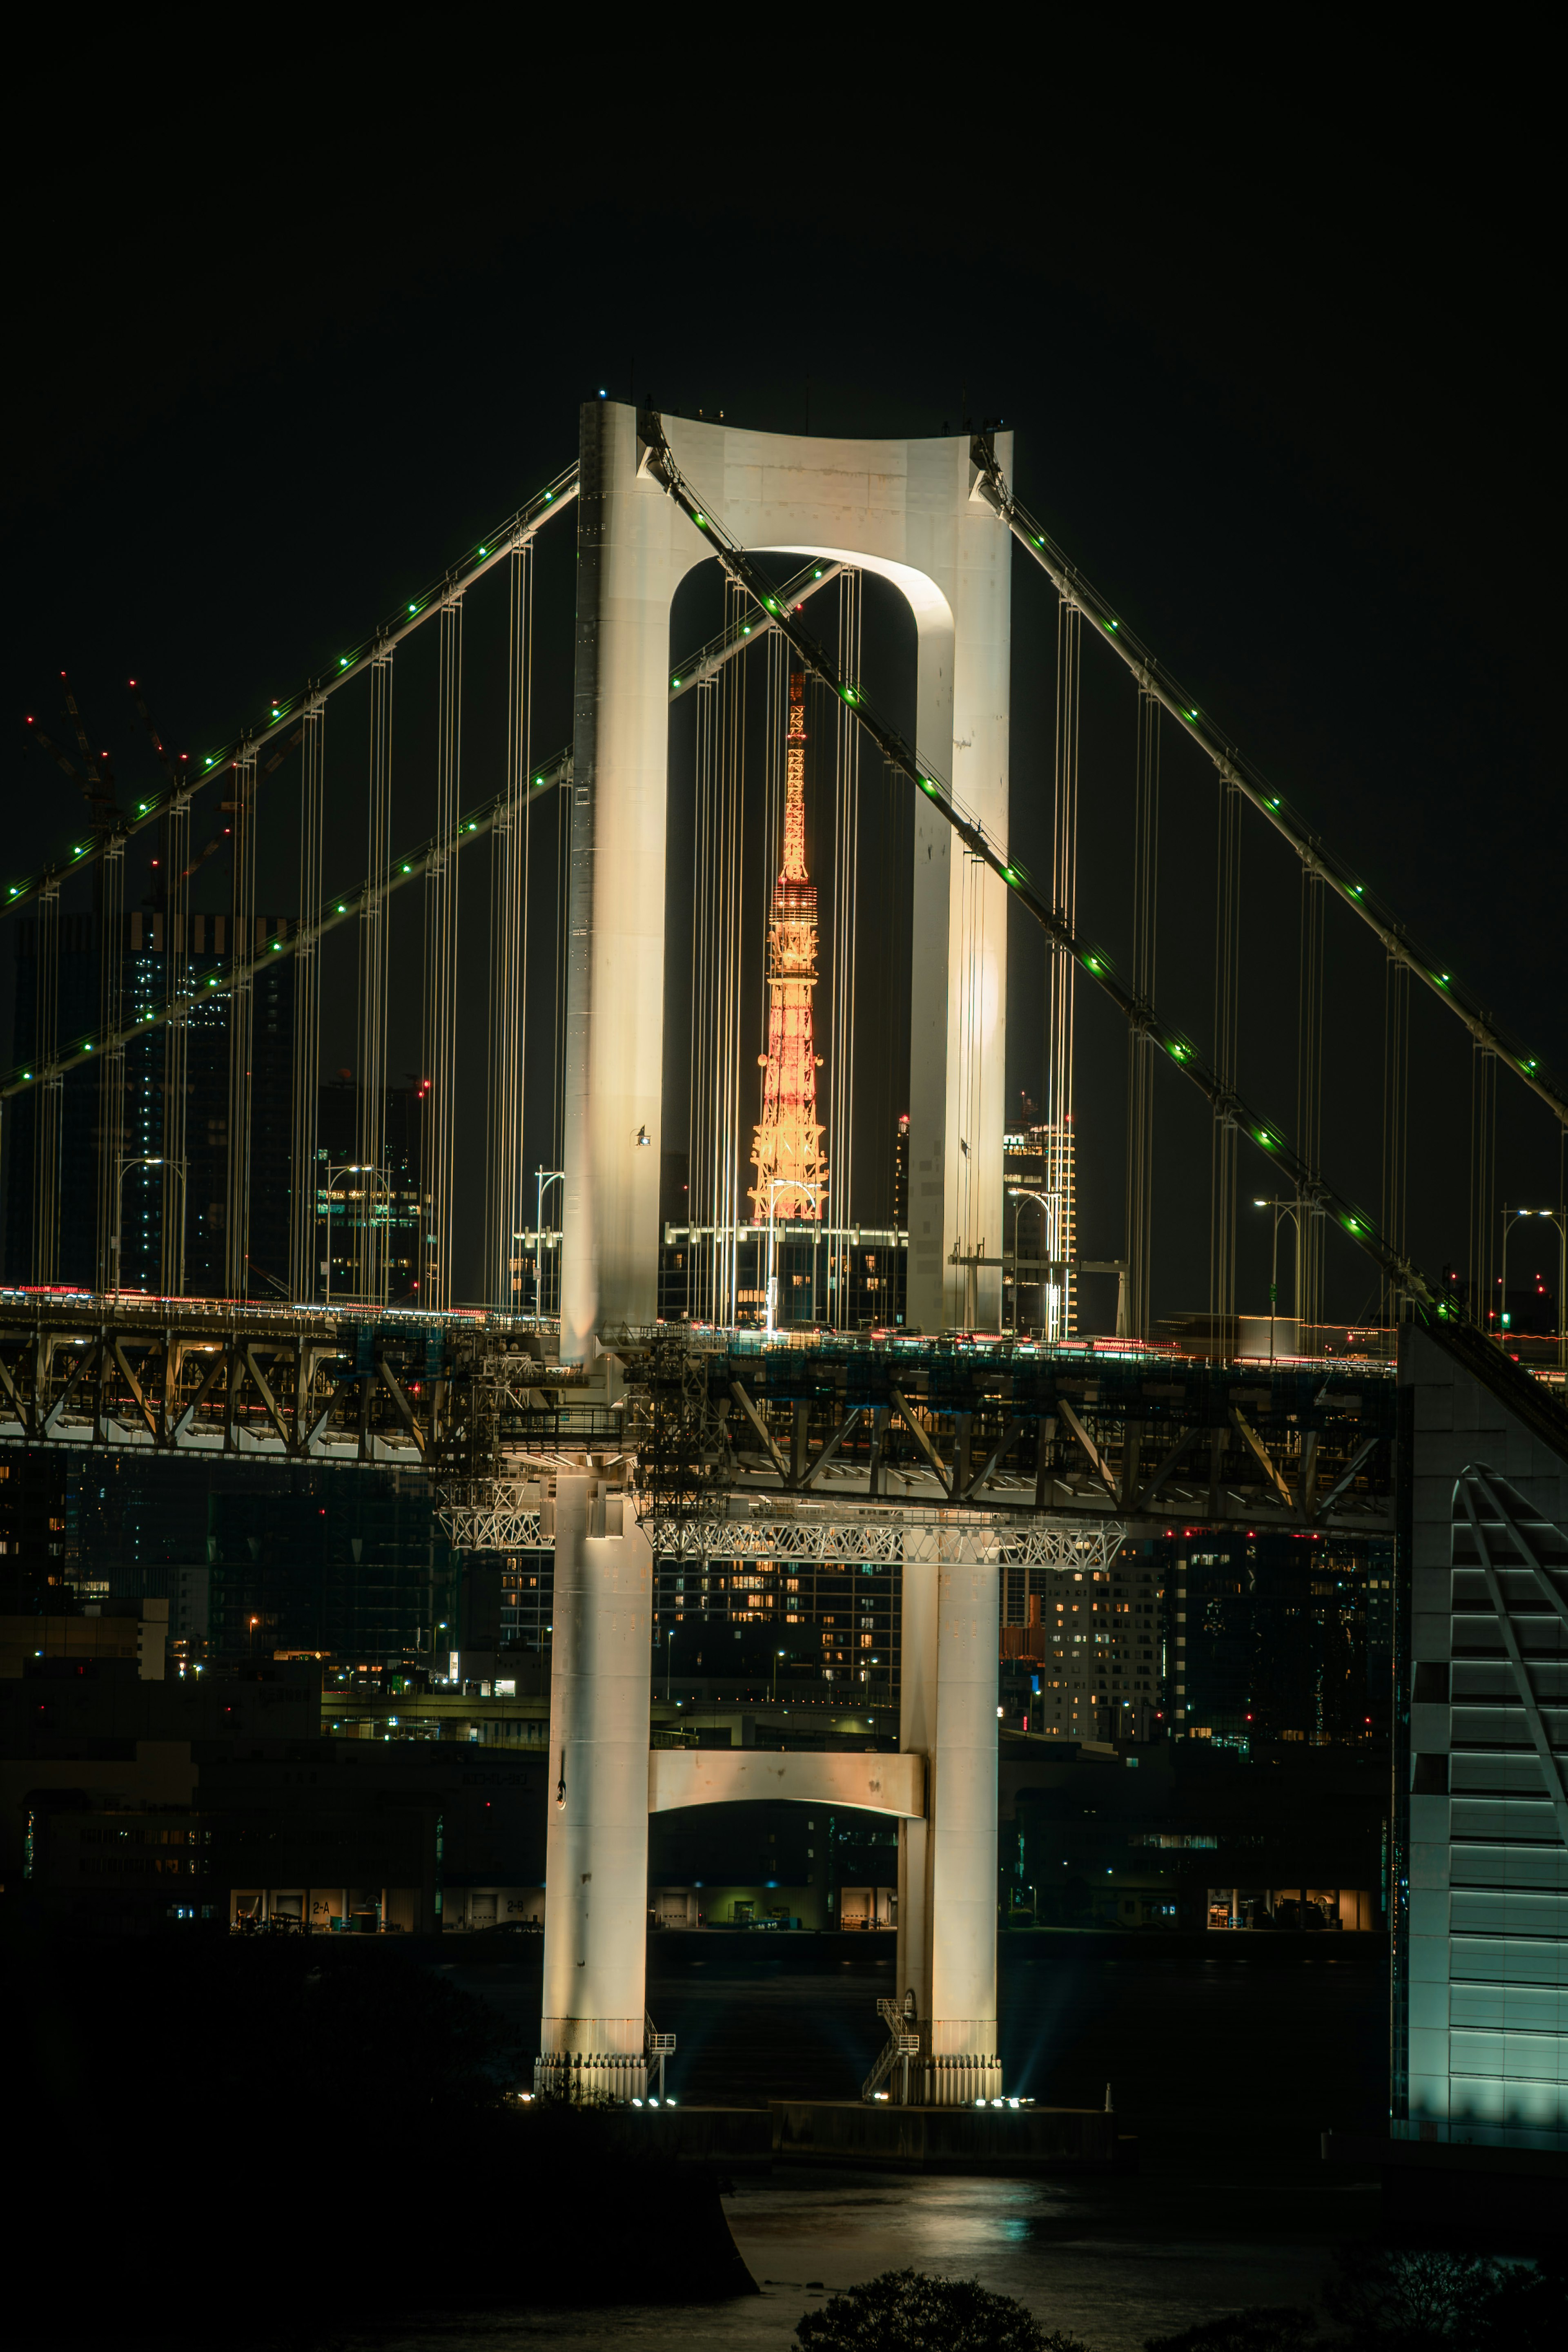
622 1389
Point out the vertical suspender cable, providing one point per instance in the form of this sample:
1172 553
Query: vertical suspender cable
509 954
307 1194
846 902
47 1097
1395 1115
1223 1152
111 1068
241 1023
175 1126
731 895
1483 1302
1060 1235
699 1260
565 804
1310 1109
1140 1046
434 1270
370 1272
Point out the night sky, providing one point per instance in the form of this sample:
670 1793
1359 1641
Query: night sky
1281 389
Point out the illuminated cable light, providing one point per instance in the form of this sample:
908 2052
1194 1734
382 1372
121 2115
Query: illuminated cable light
1178 1053
701 522
484 551
1265 1138
818 573
1442 980
675 681
414 608
1356 891
408 869
343 661
1111 625
1192 714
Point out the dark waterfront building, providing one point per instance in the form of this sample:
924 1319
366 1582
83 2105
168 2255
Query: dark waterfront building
252 1557
136 1191
130 1805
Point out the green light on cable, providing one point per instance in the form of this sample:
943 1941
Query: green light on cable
1265 1138
484 551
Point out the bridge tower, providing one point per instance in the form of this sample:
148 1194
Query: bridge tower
908 510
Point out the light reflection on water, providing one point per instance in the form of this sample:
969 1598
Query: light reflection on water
1112 2262
1226 2070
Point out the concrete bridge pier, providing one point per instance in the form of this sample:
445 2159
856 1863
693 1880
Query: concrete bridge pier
592 2037
947 1861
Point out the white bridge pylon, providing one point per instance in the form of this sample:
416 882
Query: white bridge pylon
941 1786
907 510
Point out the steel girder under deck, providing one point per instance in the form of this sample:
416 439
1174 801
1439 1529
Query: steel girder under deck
197 1379
1016 1435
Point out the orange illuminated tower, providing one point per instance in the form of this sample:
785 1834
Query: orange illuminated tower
788 1151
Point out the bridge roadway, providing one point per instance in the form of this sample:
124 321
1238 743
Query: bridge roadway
716 1431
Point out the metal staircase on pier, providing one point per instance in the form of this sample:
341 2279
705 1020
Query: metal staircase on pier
901 2045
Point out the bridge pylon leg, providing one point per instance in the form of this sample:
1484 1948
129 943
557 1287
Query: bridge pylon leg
593 2033
948 1862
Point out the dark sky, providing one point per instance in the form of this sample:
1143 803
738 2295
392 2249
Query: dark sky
1280 382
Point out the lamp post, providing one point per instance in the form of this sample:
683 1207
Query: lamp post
543 1179
1558 1218
783 1184
776 1655
669 1658
334 1170
123 1168
1291 1209
1050 1205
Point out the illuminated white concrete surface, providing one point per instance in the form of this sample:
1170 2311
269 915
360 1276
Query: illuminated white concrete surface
948 1862
717 1776
596 1860
905 509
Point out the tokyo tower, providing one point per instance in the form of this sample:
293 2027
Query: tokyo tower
788 1151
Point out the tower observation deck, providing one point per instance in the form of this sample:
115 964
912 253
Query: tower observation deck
791 1173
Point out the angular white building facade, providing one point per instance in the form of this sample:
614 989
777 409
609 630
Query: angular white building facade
1480 1951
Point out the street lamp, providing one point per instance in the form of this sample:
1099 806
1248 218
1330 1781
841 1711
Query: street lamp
1050 1205
1291 1209
669 1657
123 1168
776 1655
1558 1218
543 1179
334 1170
783 1184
